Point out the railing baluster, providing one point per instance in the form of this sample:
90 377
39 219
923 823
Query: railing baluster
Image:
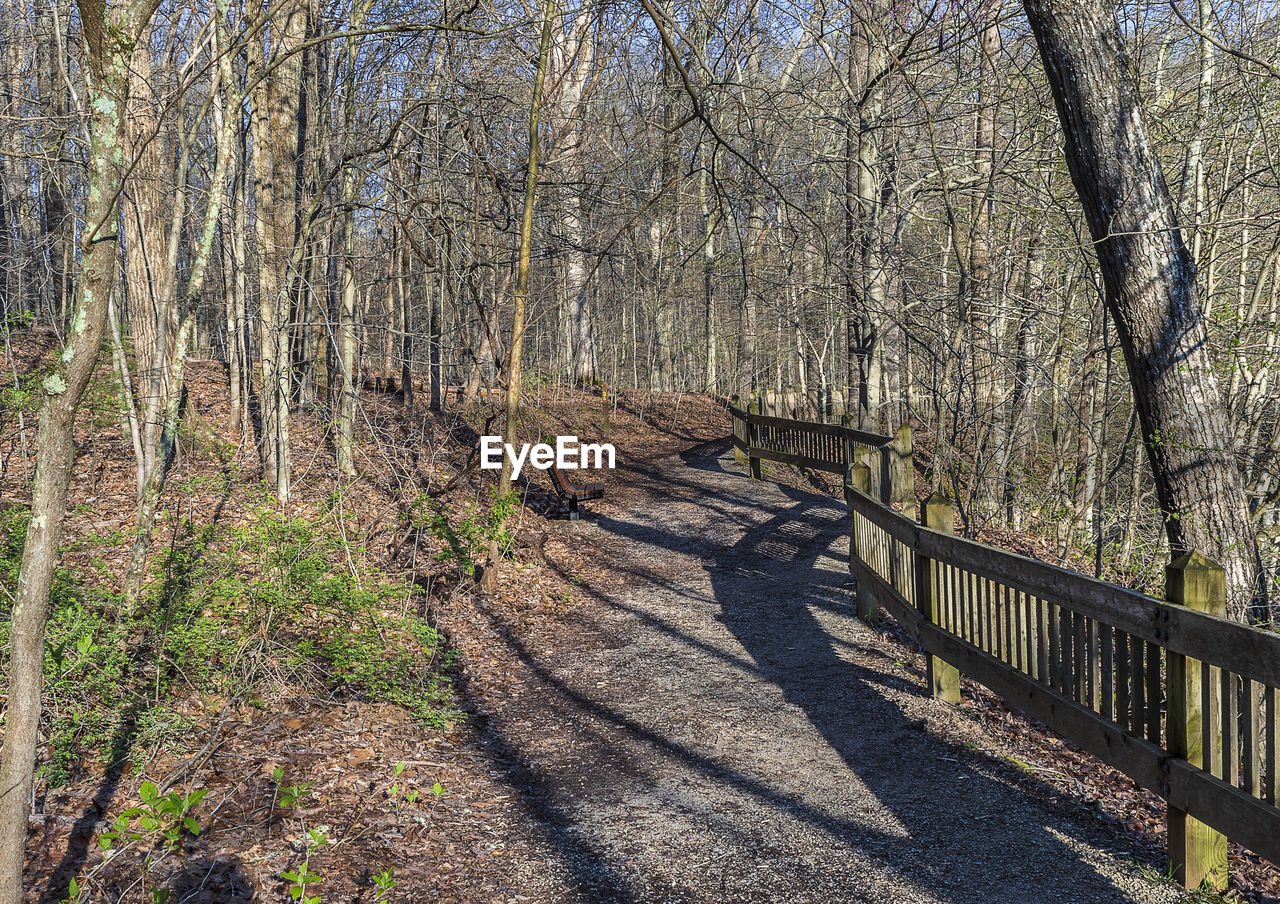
993 617
1138 690
981 616
1013 606
1230 729
1008 615
1091 641
1251 743
979 612
947 578
1044 642
1055 649
1271 763
999 626
1079 662
1208 706
1124 709
970 608
1154 693
1106 649
1027 654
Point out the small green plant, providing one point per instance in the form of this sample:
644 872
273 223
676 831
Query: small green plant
383 883
289 794
73 892
302 878
166 816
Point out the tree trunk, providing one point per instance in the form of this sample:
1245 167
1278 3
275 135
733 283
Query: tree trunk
347 347
176 360
347 333
1150 288
521 294
275 185
708 285
150 221
866 287
572 61
437 325
108 36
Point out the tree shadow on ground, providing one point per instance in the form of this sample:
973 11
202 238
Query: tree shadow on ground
178 560
218 881
952 824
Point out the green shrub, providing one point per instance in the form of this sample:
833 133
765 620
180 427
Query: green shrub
279 597
467 539
238 612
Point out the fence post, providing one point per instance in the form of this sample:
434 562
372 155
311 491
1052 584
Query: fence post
904 472
849 452
868 607
942 678
1197 853
886 488
752 429
739 457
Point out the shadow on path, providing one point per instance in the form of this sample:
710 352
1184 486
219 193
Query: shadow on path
742 586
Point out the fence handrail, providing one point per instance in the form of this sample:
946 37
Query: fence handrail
1211 639
861 437
1082 655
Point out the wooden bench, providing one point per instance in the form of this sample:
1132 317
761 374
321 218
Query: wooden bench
572 492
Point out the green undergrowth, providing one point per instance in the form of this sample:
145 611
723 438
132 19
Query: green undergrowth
464 536
273 605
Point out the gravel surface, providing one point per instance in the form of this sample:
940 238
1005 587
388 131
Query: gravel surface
714 724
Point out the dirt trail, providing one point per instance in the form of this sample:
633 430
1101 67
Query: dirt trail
717 726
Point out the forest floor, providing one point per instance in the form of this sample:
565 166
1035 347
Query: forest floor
670 700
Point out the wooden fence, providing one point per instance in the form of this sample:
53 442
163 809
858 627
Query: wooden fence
1170 692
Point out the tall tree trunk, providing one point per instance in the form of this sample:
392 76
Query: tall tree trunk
150 220
1150 287
437 323
276 181
866 281
1015 451
521 294
708 284
984 318
407 283
347 333
109 35
572 60
58 222
176 361
347 346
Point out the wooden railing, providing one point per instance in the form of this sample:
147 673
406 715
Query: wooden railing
1177 697
820 447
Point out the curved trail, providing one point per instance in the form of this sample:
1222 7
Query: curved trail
718 726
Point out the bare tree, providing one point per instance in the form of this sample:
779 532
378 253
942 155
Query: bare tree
1150 282
110 33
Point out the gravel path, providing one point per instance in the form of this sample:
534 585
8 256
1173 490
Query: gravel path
715 725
